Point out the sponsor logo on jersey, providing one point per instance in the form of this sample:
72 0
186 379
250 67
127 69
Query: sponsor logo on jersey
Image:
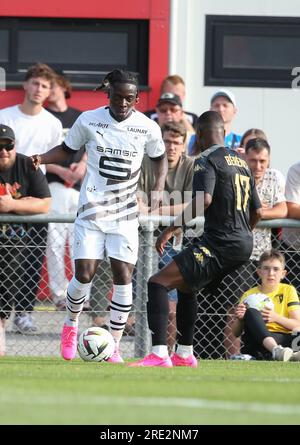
98 124
200 256
137 130
117 151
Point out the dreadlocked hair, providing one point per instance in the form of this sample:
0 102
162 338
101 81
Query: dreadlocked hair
117 76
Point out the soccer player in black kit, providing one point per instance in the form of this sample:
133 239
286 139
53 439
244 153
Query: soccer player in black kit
223 181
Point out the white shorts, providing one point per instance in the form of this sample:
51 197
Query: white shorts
95 244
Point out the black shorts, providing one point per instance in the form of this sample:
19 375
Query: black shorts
200 267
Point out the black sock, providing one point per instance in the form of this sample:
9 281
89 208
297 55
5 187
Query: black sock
158 312
186 316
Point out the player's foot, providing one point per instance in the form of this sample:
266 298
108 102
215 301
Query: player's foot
116 357
295 357
68 345
190 361
153 360
282 354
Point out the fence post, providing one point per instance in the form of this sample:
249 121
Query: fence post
144 271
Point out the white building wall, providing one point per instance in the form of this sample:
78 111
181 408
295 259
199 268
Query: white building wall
274 110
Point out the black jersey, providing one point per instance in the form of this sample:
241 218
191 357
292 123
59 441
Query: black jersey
22 181
227 178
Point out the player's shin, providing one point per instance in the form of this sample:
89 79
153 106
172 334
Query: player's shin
186 315
158 312
76 294
120 307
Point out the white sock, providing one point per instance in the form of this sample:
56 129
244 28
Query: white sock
160 350
76 294
120 307
184 351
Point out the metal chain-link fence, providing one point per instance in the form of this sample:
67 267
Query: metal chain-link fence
36 268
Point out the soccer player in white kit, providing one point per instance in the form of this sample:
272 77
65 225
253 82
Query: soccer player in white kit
116 137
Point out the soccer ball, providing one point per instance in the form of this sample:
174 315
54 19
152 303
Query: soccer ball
259 302
95 345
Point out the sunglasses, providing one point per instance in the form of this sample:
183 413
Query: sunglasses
7 147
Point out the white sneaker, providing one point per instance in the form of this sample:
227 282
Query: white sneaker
24 324
295 357
282 354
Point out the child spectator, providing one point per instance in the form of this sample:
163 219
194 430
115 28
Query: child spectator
267 334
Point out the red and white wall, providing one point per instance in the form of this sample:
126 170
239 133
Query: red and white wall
156 11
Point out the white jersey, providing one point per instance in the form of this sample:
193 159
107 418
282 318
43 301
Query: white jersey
34 134
115 152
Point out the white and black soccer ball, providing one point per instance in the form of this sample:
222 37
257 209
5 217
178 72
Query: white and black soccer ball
259 302
95 345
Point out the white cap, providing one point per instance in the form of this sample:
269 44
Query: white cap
224 93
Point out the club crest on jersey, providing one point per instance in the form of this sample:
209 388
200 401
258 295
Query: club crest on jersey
200 164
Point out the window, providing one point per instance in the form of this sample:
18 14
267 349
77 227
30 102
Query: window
84 49
251 51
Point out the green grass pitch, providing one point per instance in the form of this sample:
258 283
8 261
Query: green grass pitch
50 391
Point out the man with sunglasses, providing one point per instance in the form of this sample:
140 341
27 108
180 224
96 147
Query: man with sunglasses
23 191
35 130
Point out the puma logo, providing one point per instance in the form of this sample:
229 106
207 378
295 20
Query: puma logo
99 133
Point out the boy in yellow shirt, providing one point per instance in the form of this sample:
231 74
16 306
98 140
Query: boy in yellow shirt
267 333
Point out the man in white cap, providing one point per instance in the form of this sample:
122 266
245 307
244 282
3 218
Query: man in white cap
223 101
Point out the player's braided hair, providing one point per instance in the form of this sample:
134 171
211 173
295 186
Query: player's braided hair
117 76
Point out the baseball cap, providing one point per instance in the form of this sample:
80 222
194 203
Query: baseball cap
7 133
224 93
169 98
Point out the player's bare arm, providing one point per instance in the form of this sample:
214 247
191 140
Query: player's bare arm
160 168
53 156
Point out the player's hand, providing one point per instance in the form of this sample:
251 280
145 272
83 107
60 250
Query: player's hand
164 238
78 169
36 161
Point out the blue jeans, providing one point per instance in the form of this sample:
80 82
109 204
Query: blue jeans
166 257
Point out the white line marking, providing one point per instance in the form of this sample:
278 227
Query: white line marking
222 405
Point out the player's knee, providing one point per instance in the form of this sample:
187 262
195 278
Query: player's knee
84 276
122 272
